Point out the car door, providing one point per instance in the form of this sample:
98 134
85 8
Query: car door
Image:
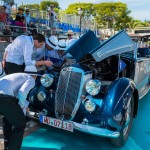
142 71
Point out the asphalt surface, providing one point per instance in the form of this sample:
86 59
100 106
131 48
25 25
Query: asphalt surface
49 138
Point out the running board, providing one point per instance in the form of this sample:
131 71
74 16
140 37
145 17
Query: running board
144 91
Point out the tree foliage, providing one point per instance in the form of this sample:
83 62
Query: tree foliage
31 6
112 14
44 5
87 9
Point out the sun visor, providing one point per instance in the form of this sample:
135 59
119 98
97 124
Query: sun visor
83 46
117 44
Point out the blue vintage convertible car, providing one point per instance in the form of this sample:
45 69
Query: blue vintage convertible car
99 92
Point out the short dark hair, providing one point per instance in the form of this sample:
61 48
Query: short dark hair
39 37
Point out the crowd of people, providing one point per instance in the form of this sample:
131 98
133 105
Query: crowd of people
22 19
21 61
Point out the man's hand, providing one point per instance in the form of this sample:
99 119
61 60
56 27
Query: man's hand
48 63
3 63
27 109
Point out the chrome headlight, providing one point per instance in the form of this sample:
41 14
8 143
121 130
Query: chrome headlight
41 96
93 87
47 80
90 105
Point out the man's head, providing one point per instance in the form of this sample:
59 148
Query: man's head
51 43
39 40
2 8
11 3
52 6
61 47
27 11
70 34
20 10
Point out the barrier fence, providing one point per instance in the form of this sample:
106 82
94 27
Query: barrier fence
41 22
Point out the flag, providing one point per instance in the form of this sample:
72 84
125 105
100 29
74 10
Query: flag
121 65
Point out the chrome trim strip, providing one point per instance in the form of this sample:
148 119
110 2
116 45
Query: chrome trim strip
66 91
147 88
122 96
78 70
96 131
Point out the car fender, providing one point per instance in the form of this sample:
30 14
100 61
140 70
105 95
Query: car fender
117 98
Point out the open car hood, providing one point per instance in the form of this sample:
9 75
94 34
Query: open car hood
83 46
89 44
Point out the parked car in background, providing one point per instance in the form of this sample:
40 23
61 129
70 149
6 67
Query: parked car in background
99 93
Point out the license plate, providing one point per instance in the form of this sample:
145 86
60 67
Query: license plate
57 123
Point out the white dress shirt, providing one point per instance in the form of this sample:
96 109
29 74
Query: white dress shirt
38 53
21 50
17 84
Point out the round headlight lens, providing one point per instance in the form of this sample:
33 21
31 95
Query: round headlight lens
41 96
90 105
93 87
47 80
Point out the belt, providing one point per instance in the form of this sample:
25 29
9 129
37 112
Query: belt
5 95
15 63
9 96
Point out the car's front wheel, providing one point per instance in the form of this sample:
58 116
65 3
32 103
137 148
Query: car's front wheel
125 131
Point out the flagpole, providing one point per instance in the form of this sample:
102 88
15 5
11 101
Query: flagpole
118 65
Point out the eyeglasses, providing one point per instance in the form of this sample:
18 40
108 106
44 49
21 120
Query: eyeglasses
69 35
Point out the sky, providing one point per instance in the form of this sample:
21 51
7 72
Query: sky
140 9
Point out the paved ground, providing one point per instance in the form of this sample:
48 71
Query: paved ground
30 127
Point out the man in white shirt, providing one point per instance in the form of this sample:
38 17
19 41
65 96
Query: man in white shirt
14 89
20 52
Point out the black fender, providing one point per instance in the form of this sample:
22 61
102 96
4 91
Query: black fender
118 95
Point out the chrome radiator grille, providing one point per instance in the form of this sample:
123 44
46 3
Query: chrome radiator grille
67 94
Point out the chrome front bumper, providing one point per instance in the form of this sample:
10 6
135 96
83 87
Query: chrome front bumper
86 128
96 131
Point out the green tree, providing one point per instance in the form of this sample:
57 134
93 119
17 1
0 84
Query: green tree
87 9
44 5
31 6
112 14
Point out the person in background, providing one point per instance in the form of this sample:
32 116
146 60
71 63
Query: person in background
27 17
52 18
19 53
14 89
20 20
70 36
9 9
3 18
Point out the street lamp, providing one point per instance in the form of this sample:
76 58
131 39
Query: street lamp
80 13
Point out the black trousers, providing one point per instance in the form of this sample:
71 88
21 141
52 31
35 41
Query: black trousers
13 68
14 122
